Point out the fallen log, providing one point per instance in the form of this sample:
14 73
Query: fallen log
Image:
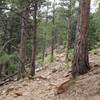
7 79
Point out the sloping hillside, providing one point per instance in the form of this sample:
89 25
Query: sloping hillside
53 83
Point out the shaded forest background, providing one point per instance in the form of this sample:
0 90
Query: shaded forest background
31 31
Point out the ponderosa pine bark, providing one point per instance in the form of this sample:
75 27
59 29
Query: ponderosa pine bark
80 64
34 39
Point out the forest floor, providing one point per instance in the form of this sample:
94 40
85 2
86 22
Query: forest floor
53 83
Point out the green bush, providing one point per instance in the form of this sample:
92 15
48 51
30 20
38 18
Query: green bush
98 90
11 59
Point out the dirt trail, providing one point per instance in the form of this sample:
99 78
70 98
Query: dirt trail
44 85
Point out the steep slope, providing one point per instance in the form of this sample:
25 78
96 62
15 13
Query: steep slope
53 83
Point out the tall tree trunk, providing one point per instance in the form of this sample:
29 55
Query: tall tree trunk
52 48
1 67
9 45
34 39
53 34
44 46
80 63
23 42
68 43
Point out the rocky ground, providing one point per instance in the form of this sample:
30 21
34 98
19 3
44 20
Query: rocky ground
53 83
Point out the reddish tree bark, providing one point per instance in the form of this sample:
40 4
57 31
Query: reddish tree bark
80 64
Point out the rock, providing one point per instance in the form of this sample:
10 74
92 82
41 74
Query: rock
66 75
69 70
38 69
54 70
63 86
40 78
9 90
25 84
96 65
18 94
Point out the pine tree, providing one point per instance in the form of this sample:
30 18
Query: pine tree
80 64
